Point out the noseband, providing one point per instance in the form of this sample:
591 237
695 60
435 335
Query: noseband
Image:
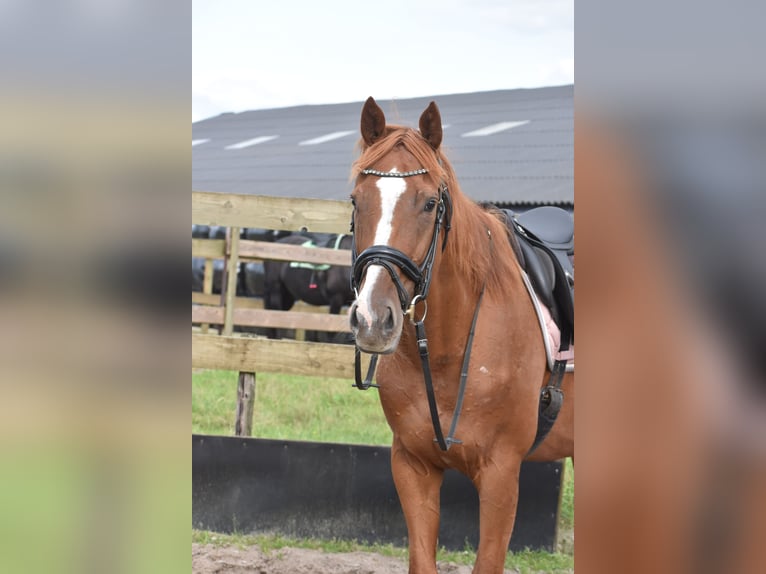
391 258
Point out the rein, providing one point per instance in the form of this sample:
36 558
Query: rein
389 258
420 331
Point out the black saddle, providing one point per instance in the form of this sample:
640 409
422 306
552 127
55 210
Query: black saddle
543 239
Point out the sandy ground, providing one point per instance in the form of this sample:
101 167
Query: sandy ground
207 559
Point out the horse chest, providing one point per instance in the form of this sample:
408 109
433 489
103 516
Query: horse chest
405 403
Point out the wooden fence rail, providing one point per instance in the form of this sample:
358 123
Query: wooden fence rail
257 250
230 210
247 354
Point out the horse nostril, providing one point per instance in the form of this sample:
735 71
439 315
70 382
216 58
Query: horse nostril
390 319
354 319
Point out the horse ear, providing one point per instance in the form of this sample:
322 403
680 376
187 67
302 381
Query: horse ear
373 122
431 125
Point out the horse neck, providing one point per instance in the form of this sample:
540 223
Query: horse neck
453 297
451 306
451 303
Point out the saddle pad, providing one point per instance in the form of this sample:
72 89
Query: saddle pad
551 332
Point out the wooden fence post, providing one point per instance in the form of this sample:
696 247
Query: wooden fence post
207 286
229 288
243 426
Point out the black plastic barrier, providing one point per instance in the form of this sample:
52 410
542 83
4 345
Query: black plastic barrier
323 490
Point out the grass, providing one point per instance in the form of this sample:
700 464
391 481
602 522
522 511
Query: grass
272 542
329 410
290 407
566 511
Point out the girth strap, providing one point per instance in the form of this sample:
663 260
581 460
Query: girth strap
551 399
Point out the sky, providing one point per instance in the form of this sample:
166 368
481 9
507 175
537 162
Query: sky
253 54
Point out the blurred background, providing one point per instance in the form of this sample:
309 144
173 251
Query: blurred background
94 183
670 138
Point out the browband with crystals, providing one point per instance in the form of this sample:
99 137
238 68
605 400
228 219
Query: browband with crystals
420 171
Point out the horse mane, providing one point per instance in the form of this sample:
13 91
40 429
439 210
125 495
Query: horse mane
467 246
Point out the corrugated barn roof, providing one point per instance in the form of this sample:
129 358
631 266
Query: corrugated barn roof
513 147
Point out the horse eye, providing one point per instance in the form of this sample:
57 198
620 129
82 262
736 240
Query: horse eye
430 205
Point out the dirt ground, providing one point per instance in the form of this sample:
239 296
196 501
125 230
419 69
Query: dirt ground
212 559
209 559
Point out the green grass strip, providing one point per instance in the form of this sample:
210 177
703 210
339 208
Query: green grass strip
290 408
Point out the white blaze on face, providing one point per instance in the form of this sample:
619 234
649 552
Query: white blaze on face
391 189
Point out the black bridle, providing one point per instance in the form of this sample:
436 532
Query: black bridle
390 259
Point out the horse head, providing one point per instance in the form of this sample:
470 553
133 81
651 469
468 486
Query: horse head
401 204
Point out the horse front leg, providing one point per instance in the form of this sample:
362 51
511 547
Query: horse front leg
418 484
498 486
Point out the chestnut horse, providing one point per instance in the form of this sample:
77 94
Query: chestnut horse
437 281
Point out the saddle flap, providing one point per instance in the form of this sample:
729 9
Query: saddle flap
541 272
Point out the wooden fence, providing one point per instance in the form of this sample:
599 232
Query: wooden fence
228 350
